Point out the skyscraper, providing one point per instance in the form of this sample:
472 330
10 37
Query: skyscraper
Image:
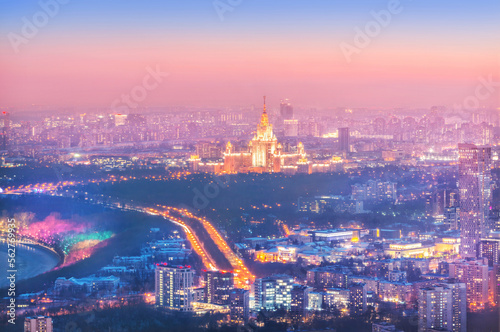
264 293
286 110
38 324
475 196
442 306
263 145
4 130
218 285
344 140
174 287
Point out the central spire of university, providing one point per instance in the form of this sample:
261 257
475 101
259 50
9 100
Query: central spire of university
264 120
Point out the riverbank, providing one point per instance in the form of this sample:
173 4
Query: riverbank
31 260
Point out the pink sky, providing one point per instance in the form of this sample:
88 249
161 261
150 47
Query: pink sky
223 69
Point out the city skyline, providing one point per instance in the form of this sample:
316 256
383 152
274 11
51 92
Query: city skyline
237 165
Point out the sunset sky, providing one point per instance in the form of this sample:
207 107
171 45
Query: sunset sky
91 52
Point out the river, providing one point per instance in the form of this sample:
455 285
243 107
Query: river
31 260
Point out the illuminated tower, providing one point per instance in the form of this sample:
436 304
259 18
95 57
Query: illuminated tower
263 145
174 288
475 196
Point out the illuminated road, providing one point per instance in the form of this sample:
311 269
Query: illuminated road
51 188
196 244
243 278
182 217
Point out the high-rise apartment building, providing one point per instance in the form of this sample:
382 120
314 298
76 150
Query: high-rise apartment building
38 324
300 299
475 197
174 287
442 306
357 299
218 286
474 273
490 249
120 119
239 305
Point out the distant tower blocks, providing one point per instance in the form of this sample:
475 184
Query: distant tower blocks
286 110
344 140
4 131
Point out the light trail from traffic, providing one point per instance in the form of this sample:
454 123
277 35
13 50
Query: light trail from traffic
242 276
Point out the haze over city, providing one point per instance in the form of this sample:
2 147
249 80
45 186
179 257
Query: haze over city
258 166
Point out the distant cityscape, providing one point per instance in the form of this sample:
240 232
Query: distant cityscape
249 166
438 274
222 141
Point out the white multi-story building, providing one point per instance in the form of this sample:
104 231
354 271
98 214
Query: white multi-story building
174 287
273 292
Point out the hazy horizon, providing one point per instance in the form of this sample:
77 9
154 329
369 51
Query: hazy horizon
90 54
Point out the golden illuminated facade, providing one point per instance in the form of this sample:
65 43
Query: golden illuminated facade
264 152
263 145
264 155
